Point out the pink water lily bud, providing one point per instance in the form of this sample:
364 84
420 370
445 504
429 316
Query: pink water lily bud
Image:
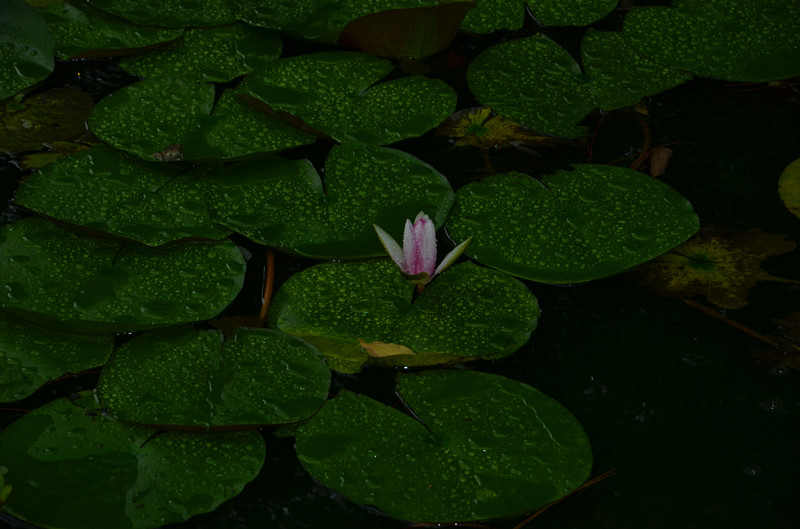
417 257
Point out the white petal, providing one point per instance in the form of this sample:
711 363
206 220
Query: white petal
390 245
451 257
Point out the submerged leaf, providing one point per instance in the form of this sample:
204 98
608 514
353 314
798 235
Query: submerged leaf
718 263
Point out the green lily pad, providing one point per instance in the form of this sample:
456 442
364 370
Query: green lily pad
538 84
56 115
484 447
215 54
144 201
283 203
70 466
336 93
67 281
170 13
190 379
737 40
573 226
322 21
492 15
347 309
31 355
78 28
26 47
140 120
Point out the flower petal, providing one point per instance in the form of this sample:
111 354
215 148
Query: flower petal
420 257
451 257
391 246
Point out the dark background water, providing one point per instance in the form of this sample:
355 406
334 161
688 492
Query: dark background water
700 431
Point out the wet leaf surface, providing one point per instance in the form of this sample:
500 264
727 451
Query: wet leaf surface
191 380
95 473
477 450
26 48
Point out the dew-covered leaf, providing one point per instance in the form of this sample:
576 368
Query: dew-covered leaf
170 13
737 40
31 355
467 312
79 28
209 54
70 466
145 201
281 203
56 115
67 281
484 446
720 264
26 47
493 15
789 187
573 226
537 83
336 93
189 379
141 120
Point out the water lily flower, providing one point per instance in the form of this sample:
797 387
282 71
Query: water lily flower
417 257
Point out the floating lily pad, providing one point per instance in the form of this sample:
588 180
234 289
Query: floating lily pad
484 447
335 93
26 47
538 84
789 187
78 28
55 115
215 54
737 40
94 285
144 201
720 264
140 120
170 13
283 203
573 226
347 309
31 355
70 466
492 15
190 379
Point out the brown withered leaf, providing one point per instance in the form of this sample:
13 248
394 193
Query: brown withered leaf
383 349
718 263
482 128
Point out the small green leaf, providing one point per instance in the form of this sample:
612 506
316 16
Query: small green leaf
67 281
72 467
26 47
789 187
139 119
336 93
170 13
468 312
79 28
190 379
574 226
282 203
207 55
483 446
31 355
148 202
737 40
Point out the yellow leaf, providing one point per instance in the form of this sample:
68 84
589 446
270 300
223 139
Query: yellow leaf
718 263
789 187
382 349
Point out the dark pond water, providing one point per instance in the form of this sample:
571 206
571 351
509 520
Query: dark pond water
700 431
